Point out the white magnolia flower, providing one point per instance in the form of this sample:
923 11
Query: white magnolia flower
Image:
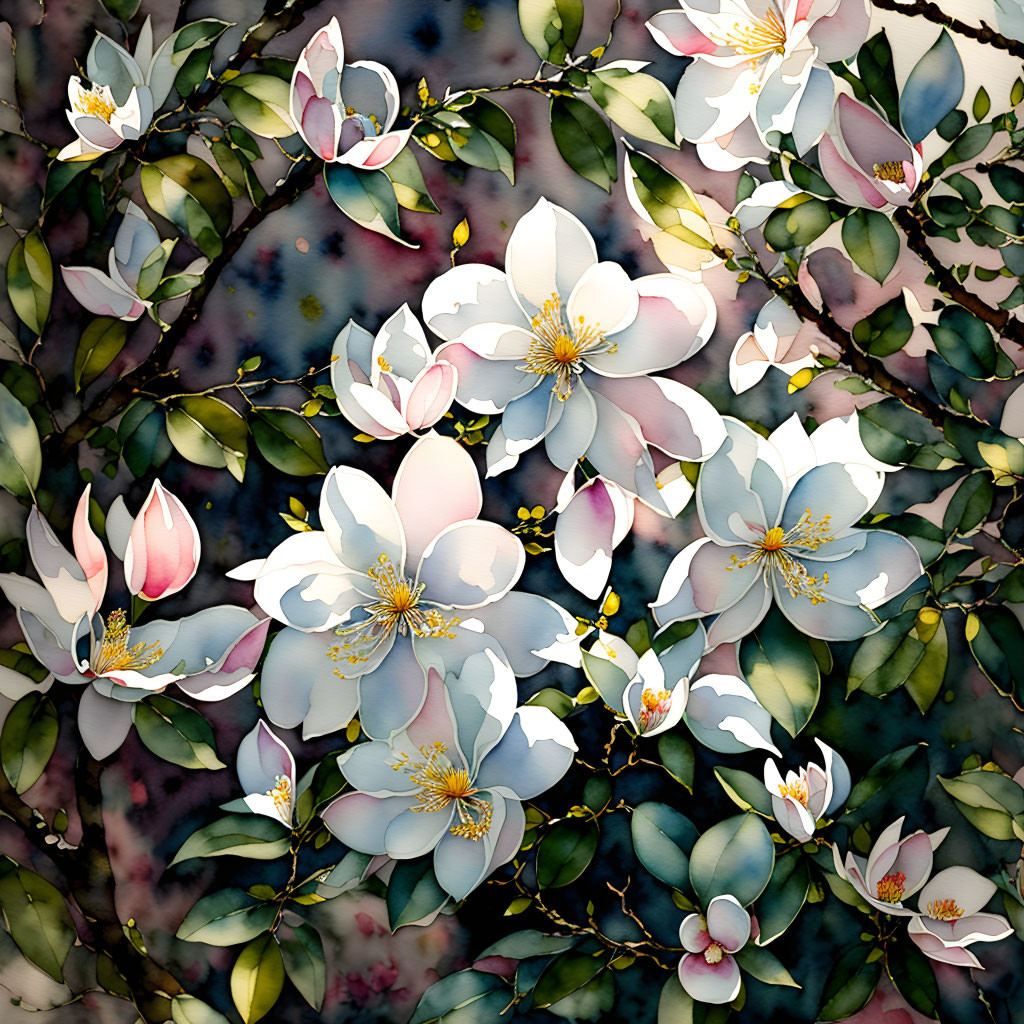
391 384
950 920
894 869
390 587
210 654
804 796
759 67
562 344
266 770
453 781
771 343
345 122
778 517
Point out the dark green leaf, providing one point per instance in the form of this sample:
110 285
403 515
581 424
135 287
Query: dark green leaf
784 896
745 790
551 27
28 740
413 892
368 197
791 227
303 952
226 918
584 140
100 344
175 732
255 836
872 242
38 919
565 852
734 857
662 838
851 983
209 432
189 193
288 441
886 330
30 280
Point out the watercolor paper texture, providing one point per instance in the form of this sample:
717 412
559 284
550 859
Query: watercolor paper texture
511 509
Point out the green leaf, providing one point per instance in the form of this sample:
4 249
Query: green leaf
257 978
1008 182
796 225
142 437
483 996
880 775
851 983
676 1006
991 801
745 790
676 756
189 193
30 280
551 27
885 659
183 58
288 441
639 104
368 198
784 896
186 1009
662 838
28 740
99 345
209 432
970 505
413 892
764 965
982 104
175 732
565 974
527 943
886 330
565 852
302 950
260 103
226 918
666 199
932 90
997 643
37 918
733 857
877 71
925 682
872 242
782 671
967 344
123 10
912 975
21 456
481 134
407 181
255 836
584 140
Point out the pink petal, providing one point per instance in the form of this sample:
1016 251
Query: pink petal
585 534
673 31
89 550
319 126
693 934
163 547
709 983
849 184
372 154
431 395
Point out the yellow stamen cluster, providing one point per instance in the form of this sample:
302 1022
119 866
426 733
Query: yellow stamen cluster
773 553
715 953
383 364
890 888
399 606
654 706
797 790
757 38
558 348
944 910
282 795
115 654
891 170
95 103
440 783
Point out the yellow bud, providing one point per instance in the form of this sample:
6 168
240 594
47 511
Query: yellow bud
364 438
929 616
800 379
537 511
611 603
518 905
972 626
523 513
297 508
352 730
433 140
312 407
587 695
460 236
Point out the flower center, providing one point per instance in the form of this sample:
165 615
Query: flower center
95 102
440 783
757 38
772 551
558 348
944 910
797 790
115 654
282 795
890 888
891 170
715 953
400 606
654 706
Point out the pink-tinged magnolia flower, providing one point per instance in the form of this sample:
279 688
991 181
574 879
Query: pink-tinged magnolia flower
354 128
210 654
865 160
804 796
266 770
562 345
708 970
163 547
758 68
390 587
391 384
772 343
100 122
949 918
454 780
894 869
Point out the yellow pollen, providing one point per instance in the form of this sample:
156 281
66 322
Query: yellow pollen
440 783
400 606
654 706
944 910
715 953
559 348
383 364
891 170
797 790
94 102
115 655
775 552
890 888
757 38
282 795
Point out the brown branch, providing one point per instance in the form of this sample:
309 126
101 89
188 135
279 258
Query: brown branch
931 12
89 881
999 319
